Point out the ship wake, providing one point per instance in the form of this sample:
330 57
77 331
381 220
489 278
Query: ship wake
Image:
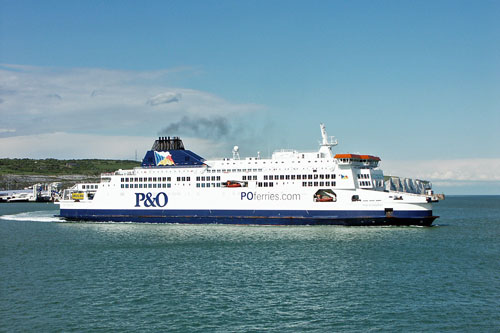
36 216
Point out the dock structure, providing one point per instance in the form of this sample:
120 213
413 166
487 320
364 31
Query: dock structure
42 192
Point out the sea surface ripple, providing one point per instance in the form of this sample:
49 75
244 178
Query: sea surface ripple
124 277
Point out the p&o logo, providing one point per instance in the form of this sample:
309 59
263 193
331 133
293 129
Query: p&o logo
148 200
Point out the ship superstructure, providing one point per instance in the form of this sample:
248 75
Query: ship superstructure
175 185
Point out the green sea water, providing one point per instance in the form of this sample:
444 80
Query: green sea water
124 277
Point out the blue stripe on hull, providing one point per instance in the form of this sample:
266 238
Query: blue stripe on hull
257 217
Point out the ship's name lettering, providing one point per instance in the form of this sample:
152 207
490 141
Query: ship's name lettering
269 196
148 200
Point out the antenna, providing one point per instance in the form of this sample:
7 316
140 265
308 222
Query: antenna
326 146
324 136
236 154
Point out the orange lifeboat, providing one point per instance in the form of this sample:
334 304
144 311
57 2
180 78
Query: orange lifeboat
324 198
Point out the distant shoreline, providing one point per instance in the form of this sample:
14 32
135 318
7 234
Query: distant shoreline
17 174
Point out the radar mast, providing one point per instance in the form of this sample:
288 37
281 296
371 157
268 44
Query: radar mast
326 145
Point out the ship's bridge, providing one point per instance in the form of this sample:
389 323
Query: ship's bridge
360 161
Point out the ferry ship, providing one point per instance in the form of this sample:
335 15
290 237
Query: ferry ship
175 185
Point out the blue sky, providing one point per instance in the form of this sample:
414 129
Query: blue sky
416 83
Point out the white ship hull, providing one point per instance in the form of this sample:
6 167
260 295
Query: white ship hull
291 188
232 208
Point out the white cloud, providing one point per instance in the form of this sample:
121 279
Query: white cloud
37 100
7 130
164 98
476 169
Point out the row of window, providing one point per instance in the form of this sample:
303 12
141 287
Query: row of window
204 185
207 178
327 183
146 185
363 176
232 170
207 184
323 183
157 179
217 178
147 179
259 184
365 183
279 161
90 187
293 177
265 184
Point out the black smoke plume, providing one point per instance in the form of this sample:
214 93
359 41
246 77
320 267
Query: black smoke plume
215 127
